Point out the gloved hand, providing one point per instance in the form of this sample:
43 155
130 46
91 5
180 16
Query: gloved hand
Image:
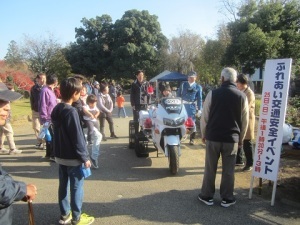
198 113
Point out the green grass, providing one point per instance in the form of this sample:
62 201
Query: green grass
20 110
257 106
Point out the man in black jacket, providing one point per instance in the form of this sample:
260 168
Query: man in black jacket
138 97
34 103
10 190
224 124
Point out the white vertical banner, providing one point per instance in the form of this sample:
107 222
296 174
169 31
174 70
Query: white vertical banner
272 116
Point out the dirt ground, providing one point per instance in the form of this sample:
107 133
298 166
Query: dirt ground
288 184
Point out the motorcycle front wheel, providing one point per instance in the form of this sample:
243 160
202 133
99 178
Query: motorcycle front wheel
173 159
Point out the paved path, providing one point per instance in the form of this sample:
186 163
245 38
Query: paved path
130 190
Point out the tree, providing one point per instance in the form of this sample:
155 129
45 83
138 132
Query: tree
90 54
13 56
183 51
37 52
138 44
59 66
264 30
208 63
20 78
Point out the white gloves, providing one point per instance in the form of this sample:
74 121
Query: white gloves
198 113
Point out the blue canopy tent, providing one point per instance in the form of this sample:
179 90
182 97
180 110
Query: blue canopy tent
170 76
173 76
154 79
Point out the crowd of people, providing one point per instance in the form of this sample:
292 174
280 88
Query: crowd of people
79 106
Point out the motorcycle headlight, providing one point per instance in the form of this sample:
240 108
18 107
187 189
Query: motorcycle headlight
173 123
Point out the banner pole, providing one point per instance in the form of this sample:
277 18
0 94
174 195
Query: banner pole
251 187
274 193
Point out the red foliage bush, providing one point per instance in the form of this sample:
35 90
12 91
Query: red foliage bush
20 77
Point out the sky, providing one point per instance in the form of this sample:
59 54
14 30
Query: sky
39 18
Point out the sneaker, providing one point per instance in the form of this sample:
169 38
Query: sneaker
239 164
192 142
84 220
4 151
15 151
94 163
247 168
65 219
104 138
38 145
207 201
226 203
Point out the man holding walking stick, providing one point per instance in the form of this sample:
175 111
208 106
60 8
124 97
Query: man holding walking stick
11 190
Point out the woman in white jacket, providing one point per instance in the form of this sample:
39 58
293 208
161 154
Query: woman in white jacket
105 105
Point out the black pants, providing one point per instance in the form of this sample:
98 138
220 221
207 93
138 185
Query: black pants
109 119
49 144
90 125
248 150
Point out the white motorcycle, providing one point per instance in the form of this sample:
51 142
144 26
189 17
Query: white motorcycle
164 125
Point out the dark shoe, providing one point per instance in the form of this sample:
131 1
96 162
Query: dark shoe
207 201
247 168
226 203
192 142
104 138
239 164
95 163
113 135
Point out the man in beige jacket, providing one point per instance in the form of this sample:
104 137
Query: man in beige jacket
243 85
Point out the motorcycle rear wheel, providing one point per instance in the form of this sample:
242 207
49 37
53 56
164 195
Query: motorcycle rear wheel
173 159
140 148
131 134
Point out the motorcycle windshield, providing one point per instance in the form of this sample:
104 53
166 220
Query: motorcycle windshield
172 105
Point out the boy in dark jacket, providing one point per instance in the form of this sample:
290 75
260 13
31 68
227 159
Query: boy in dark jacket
70 153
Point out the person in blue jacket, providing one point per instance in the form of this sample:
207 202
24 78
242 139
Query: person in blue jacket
10 189
191 94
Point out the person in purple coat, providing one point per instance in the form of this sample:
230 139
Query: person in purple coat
46 104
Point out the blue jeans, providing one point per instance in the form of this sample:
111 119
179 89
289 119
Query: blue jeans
70 177
97 137
124 112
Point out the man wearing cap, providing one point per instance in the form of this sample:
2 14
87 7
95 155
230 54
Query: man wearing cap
191 94
10 190
34 103
96 87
